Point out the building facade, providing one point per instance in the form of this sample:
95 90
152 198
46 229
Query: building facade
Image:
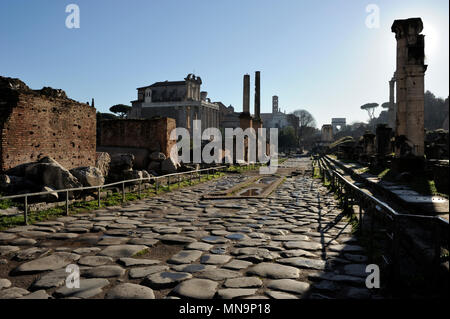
180 100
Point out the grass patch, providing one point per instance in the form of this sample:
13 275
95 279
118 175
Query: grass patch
6 203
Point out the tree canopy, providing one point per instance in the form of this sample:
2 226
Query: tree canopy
305 118
120 109
370 108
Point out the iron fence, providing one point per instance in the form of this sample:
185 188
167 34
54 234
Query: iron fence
395 223
175 178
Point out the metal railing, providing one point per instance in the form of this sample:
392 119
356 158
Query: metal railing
378 210
177 178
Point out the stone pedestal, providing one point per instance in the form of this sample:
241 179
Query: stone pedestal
383 140
369 145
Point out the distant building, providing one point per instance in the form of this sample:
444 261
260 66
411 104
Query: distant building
228 117
278 119
180 100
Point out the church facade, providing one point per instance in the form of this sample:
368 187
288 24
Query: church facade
180 100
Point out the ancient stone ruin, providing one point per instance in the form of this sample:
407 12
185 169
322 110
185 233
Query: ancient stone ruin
39 123
148 141
409 77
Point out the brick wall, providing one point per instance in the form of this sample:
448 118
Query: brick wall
152 134
33 125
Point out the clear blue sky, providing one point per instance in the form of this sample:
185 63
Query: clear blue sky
316 55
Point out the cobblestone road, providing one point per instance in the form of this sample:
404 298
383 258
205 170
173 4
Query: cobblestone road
293 244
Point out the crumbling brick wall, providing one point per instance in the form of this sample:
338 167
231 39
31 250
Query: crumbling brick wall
150 134
39 123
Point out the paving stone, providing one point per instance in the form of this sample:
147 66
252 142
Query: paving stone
31 253
298 253
230 293
62 236
306 245
185 257
192 268
214 240
109 241
130 291
52 262
167 230
243 282
199 246
218 250
256 297
88 288
76 230
142 272
289 285
6 250
237 264
6 236
103 272
304 262
4 283
196 289
237 236
52 279
23 242
272 270
176 239
250 242
279 295
86 250
94 260
291 238
120 251
150 242
13 293
218 274
165 279
40 294
130 262
214 259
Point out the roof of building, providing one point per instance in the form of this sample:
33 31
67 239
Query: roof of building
164 83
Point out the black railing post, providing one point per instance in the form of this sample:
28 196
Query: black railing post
25 210
99 195
67 203
140 184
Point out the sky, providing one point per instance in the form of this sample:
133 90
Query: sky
315 55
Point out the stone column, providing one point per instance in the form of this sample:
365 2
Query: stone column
392 109
257 96
245 120
246 95
410 87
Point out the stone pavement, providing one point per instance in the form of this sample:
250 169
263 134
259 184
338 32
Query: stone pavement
293 244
